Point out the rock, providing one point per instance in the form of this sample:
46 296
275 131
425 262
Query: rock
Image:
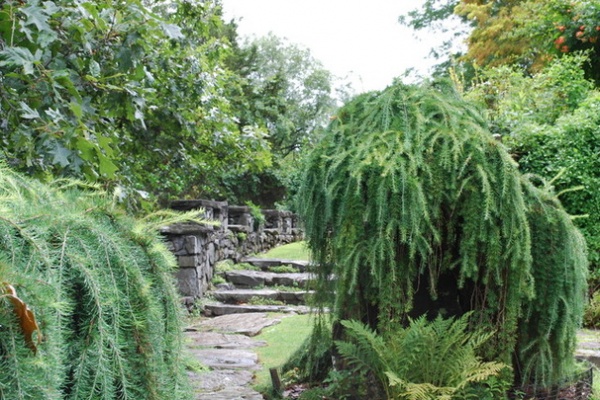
248 278
221 340
231 393
588 345
299 279
265 263
217 309
220 379
249 324
293 297
226 358
225 286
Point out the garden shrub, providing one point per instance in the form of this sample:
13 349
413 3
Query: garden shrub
100 287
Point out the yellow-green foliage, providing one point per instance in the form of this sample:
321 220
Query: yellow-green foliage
100 286
408 200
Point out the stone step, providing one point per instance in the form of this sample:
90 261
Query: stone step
226 358
588 345
240 296
224 385
219 309
266 263
247 324
250 279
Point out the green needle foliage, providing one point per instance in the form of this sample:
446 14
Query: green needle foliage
547 326
416 209
101 288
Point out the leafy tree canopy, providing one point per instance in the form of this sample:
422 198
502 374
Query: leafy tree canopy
288 94
527 33
120 92
549 120
285 90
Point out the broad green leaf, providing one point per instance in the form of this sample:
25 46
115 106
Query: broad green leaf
60 155
172 31
106 167
105 143
20 57
35 16
94 68
85 148
27 112
76 108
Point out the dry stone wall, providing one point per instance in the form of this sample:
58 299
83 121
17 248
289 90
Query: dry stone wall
198 247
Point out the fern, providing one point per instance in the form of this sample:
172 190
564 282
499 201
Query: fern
426 360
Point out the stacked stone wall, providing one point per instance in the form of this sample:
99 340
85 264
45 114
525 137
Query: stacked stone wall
198 247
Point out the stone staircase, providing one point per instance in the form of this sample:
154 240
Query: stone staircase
268 287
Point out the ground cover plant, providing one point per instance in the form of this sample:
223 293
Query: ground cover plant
89 309
418 211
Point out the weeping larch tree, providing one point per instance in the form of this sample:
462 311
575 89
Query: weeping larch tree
88 305
417 210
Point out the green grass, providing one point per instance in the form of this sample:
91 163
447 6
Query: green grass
596 385
294 251
282 341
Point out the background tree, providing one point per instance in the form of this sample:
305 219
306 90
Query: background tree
537 64
284 92
416 210
120 93
527 33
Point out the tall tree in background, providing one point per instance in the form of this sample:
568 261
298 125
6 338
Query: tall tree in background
287 93
527 33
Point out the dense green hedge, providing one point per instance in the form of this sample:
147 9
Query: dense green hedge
100 287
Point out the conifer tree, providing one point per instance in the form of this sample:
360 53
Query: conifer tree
416 210
104 315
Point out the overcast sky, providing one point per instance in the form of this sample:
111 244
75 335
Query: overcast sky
355 38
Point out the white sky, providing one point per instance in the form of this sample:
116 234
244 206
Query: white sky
355 38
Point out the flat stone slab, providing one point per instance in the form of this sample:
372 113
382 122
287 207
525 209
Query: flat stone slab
248 278
230 309
223 385
197 339
244 278
232 393
226 359
249 324
588 345
265 263
240 296
216 380
299 279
